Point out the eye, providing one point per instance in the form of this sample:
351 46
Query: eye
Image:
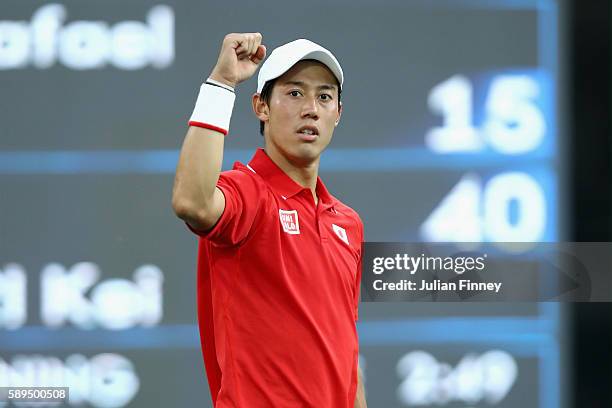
326 97
294 93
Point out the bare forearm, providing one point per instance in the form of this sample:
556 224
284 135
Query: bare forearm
360 400
198 167
195 197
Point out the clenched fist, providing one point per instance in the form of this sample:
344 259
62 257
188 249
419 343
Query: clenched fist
241 54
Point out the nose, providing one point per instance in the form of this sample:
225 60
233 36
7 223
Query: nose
309 108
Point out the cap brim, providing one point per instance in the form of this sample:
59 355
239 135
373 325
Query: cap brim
318 55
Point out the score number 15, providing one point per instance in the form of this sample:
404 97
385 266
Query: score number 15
514 124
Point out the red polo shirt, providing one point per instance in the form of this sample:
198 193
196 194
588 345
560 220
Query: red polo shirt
278 290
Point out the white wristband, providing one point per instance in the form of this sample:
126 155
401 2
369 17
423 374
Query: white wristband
213 109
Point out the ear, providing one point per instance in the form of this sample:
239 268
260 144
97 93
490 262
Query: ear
260 107
339 113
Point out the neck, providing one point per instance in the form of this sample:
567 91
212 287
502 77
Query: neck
303 173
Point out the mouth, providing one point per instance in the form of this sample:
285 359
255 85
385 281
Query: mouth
308 133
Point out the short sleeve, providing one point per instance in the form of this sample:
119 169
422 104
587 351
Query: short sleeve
244 197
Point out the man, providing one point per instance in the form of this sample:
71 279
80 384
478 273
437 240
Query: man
279 257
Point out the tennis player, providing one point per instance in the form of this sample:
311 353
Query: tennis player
279 256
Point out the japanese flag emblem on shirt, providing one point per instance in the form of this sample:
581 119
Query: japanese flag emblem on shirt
341 233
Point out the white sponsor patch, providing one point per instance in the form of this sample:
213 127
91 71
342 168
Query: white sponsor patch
289 221
341 233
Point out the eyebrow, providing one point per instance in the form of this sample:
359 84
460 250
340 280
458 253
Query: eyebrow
303 84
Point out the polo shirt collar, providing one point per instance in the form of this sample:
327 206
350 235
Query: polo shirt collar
281 182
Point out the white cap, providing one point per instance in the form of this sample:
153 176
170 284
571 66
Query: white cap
286 56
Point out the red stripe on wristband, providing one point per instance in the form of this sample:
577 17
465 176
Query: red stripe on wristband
207 126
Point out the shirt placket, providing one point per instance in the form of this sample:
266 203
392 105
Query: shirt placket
316 212
320 220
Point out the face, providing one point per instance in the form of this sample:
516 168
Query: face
302 113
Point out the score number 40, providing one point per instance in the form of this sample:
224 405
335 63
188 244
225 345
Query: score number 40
513 125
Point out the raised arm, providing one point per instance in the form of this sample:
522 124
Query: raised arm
195 197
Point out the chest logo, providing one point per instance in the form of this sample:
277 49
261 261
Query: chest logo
341 233
289 221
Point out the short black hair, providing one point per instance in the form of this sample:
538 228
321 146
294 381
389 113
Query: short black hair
266 94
